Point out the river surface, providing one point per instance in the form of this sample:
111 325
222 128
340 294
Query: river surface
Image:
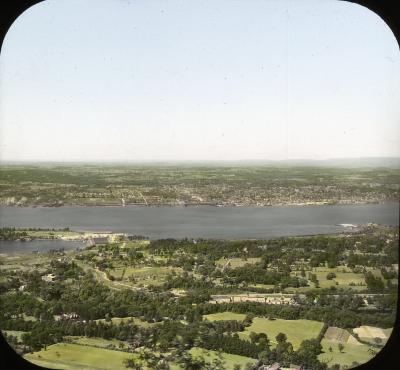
198 222
7 246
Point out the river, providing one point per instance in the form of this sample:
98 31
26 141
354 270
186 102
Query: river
203 221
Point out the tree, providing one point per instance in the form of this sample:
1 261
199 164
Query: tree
340 347
281 337
248 320
310 348
378 340
331 275
132 364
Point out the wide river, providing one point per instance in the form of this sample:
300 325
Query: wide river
203 221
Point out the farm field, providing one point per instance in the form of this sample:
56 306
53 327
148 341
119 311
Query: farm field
74 356
369 333
237 262
230 360
345 278
145 275
225 316
295 330
351 353
96 342
339 335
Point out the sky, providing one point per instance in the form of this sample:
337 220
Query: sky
116 80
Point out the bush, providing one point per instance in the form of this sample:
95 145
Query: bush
331 276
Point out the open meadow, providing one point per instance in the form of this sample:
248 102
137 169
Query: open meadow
229 360
359 353
295 330
70 356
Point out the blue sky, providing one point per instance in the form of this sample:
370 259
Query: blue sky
192 80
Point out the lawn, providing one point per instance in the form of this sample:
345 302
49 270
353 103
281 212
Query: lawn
225 316
295 330
351 352
75 356
230 360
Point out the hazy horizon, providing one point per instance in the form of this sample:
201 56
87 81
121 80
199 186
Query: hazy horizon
111 81
335 162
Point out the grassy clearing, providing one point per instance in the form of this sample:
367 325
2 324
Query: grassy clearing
370 333
134 320
75 356
237 262
14 333
344 277
97 342
29 318
335 334
137 244
295 330
230 360
351 353
264 286
148 275
224 316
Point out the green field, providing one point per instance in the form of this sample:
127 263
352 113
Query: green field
335 334
135 320
14 333
264 286
237 262
343 279
148 272
74 356
142 276
224 316
230 360
295 330
351 352
370 333
96 342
